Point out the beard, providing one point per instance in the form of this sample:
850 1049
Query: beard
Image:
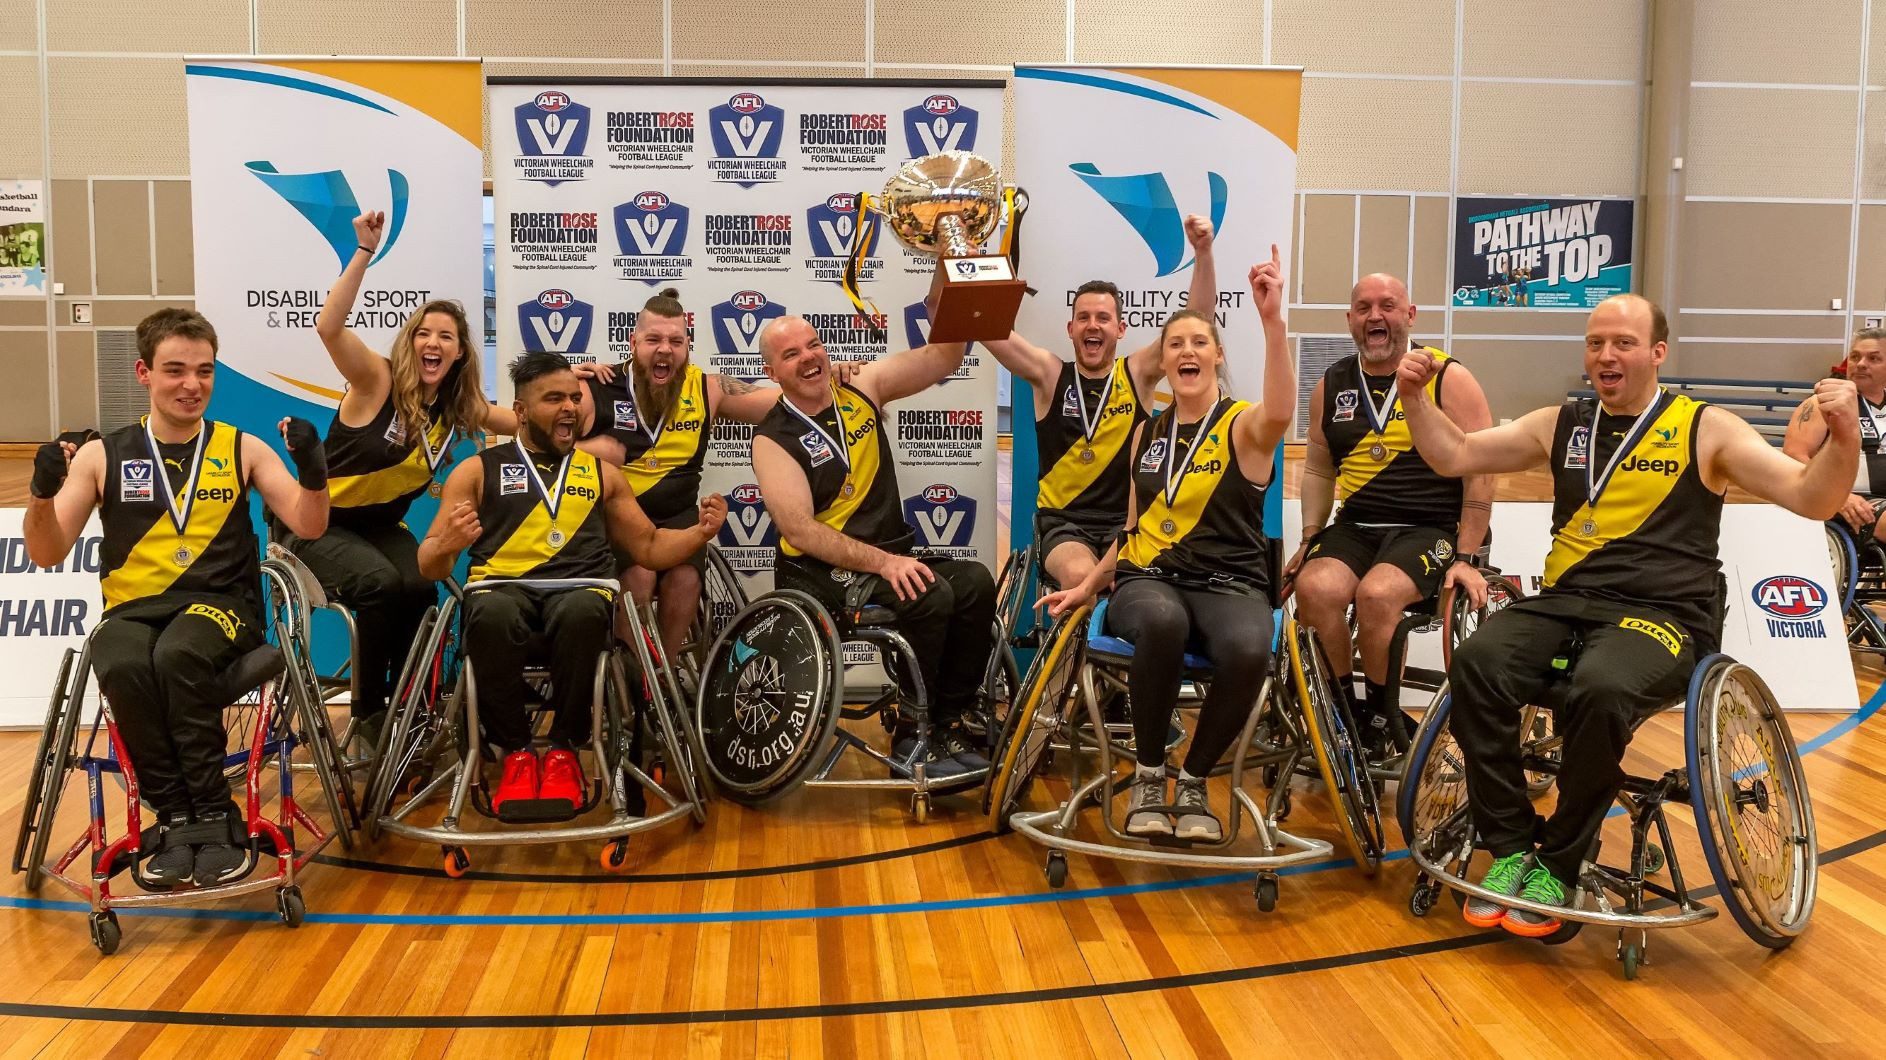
541 437
653 401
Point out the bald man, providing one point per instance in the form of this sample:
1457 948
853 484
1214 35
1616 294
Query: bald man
1633 583
1403 531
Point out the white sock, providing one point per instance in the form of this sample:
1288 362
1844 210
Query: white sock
1185 777
1146 772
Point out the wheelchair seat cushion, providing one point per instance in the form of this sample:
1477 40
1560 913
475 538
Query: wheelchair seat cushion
1105 643
251 671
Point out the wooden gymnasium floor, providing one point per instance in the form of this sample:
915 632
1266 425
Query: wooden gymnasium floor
831 925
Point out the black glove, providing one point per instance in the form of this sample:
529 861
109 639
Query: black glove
306 450
49 468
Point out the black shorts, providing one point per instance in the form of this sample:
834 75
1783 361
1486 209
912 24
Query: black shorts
1053 531
682 520
1423 553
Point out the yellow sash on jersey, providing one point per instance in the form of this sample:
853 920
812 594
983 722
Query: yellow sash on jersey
1643 480
858 424
529 546
390 483
1211 458
683 432
162 555
1359 468
1070 476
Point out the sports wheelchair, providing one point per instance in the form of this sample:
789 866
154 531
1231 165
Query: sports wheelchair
277 709
433 745
1859 582
773 690
1742 779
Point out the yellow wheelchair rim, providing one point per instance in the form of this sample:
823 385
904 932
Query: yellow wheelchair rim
1318 739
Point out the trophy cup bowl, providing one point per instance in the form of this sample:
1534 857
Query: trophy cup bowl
947 205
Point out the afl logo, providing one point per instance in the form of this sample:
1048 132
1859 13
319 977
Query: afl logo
747 494
941 493
552 101
746 103
556 299
843 202
651 201
1788 596
941 105
748 301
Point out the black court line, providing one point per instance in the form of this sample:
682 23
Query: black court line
897 1006
660 877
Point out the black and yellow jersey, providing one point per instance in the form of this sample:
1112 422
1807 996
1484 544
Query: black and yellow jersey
176 517
848 465
375 472
1383 480
662 460
1652 535
1081 446
1870 479
1201 522
527 537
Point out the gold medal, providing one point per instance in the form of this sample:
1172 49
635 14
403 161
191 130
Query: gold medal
1168 527
1087 456
1588 528
183 556
436 488
1378 451
556 538
653 463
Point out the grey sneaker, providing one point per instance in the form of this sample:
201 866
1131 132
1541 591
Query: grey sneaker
1148 791
1505 876
220 861
1196 821
1544 888
172 864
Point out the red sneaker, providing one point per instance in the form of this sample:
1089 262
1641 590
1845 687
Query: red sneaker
519 780
563 778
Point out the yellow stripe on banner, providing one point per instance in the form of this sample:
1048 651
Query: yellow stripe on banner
1270 98
451 93
312 388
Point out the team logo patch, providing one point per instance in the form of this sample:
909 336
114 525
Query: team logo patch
817 449
1656 631
1345 407
1443 550
1070 403
136 478
1578 448
395 432
1154 456
625 416
511 479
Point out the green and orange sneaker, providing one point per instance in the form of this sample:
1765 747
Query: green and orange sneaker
1505 876
1544 888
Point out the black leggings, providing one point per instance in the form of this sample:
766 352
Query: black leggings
375 571
574 625
1163 620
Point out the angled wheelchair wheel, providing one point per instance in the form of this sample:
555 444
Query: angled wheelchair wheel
656 688
771 691
1334 742
50 763
1431 800
1750 798
1844 553
1462 619
1012 591
1036 717
419 720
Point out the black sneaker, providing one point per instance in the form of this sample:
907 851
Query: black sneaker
956 743
219 861
170 864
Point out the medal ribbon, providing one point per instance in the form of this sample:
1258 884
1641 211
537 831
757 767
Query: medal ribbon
844 451
1378 415
552 498
435 457
1090 424
179 513
1172 449
1595 486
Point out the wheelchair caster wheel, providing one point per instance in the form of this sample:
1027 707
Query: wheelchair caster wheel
1631 954
410 785
1421 899
1057 870
1653 859
1266 892
659 774
920 807
615 855
290 906
457 862
1283 807
1270 776
105 933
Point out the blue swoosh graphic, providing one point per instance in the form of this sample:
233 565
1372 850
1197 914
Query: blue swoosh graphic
327 202
1145 201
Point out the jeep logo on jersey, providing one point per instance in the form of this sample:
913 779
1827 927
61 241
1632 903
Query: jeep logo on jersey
738 320
832 224
651 225
943 516
555 322
1790 597
939 123
746 126
550 127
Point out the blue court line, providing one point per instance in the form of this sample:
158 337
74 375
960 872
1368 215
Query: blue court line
742 916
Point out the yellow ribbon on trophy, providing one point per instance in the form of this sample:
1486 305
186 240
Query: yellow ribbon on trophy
863 240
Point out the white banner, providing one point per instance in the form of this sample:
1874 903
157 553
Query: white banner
1783 621
42 613
284 153
22 239
1113 159
742 195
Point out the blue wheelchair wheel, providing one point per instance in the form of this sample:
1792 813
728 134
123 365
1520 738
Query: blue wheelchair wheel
1844 553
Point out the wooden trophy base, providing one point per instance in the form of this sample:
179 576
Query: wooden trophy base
974 299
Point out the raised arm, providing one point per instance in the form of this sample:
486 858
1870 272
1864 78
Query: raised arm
365 371
1466 405
1524 443
1027 362
299 500
456 526
654 548
1731 451
910 372
65 488
736 399
1261 429
1146 363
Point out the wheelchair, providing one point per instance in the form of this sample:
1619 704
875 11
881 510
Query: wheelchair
1742 780
277 711
1859 582
723 595
1079 665
773 691
432 744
